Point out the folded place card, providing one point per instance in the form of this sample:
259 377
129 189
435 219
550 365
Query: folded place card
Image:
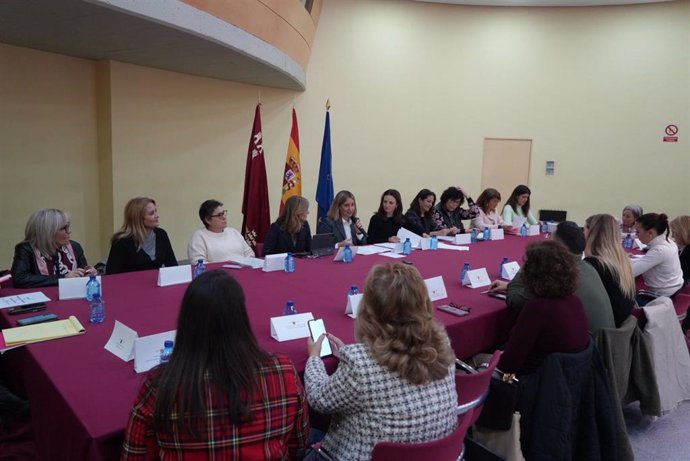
274 262
425 243
353 304
496 234
509 270
74 288
415 240
121 342
147 350
436 288
533 229
174 275
476 278
463 239
287 327
341 251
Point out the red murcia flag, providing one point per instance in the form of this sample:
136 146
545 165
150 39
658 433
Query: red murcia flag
256 220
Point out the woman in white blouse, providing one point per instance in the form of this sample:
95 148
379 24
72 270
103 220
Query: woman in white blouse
660 266
216 242
488 216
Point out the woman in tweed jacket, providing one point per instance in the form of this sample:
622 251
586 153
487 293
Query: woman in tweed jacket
396 383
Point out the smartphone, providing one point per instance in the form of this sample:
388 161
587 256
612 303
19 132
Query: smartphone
26 309
317 328
454 310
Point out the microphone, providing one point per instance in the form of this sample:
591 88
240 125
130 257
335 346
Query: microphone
356 220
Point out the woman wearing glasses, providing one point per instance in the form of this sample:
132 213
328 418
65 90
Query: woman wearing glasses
216 242
47 254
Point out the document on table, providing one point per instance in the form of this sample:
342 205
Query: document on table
518 221
393 255
445 246
43 331
254 263
23 299
372 249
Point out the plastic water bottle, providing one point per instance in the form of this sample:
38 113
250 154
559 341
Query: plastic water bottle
199 268
523 230
465 269
93 287
167 351
503 261
434 243
487 234
97 309
473 235
407 247
289 308
545 227
628 241
353 290
347 254
290 263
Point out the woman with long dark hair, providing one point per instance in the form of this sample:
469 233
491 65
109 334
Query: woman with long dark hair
387 221
221 396
518 204
419 218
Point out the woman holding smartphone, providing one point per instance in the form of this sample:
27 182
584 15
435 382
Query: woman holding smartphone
384 384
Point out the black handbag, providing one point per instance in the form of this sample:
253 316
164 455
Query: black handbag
501 402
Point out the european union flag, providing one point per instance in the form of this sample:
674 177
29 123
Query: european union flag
324 189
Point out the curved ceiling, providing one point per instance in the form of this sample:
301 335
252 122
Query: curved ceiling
543 2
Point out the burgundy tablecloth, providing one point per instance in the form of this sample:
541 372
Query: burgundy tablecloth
80 394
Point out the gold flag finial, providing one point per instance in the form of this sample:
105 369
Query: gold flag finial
328 104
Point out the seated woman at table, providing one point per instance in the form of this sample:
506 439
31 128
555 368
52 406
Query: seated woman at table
47 254
518 205
216 242
419 217
628 217
290 232
221 395
448 213
680 229
397 382
660 266
387 221
342 221
487 216
554 320
140 244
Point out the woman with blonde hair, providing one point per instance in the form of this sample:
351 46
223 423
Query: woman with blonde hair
604 252
140 244
397 382
342 221
47 254
680 229
290 232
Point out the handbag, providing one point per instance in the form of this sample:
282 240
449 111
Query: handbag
501 402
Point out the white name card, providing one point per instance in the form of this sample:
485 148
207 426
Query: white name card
121 342
496 234
476 278
415 239
509 270
275 262
341 252
353 305
74 288
425 243
436 288
533 229
174 275
287 327
463 239
147 350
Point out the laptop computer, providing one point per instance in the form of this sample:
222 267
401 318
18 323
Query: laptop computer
322 245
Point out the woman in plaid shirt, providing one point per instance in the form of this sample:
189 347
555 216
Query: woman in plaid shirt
397 383
221 396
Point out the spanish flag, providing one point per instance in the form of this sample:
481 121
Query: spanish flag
292 177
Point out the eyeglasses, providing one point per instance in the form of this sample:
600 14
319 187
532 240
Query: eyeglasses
220 215
65 228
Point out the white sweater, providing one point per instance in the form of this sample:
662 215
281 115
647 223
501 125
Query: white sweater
660 267
214 247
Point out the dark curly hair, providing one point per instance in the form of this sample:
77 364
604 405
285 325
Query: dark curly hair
549 270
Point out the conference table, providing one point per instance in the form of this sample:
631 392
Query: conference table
80 394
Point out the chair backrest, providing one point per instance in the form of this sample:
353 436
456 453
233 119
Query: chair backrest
473 388
449 448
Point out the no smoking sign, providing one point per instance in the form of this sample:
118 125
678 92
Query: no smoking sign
671 133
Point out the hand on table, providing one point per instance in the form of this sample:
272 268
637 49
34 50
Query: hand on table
499 286
78 272
394 239
344 243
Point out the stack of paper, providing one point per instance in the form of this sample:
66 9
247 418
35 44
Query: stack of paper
42 332
254 263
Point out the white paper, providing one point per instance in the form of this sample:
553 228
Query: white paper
446 238
639 244
147 350
74 288
287 327
23 299
341 251
509 270
232 266
445 246
415 239
463 239
533 229
174 275
497 234
353 304
274 262
121 342
393 255
371 250
254 263
518 222
476 278
425 243
436 288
